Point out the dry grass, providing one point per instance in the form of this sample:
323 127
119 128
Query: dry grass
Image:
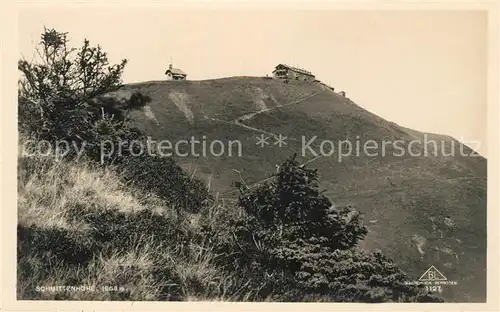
59 204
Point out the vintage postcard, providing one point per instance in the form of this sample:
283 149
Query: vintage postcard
219 153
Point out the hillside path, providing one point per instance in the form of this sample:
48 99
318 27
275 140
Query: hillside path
253 114
238 122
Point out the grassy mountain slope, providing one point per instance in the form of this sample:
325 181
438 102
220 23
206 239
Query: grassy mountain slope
420 210
78 225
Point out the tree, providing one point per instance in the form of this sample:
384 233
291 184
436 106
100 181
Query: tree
305 247
62 92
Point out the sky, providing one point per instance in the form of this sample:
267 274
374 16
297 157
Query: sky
425 70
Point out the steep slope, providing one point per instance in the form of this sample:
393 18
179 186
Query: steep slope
424 208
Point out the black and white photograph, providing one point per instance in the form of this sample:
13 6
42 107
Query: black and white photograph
270 154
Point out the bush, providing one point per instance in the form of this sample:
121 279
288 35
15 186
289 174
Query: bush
64 96
292 206
57 91
165 178
305 249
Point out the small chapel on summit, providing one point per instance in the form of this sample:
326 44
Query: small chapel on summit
175 73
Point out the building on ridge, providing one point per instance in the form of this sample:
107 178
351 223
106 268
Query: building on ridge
286 72
175 73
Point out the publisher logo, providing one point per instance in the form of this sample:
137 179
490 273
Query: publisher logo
433 280
432 274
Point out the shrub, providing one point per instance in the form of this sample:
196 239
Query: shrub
65 96
165 178
56 91
305 248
